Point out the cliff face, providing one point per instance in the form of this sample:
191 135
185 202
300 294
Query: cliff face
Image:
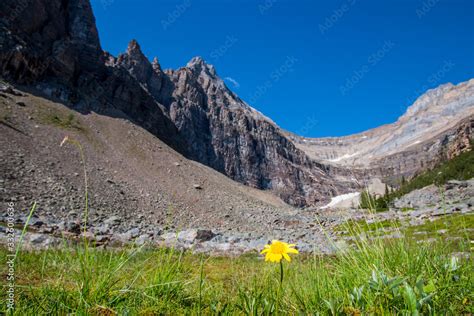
54 46
48 38
228 135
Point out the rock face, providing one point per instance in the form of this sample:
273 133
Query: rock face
438 126
56 39
54 47
455 194
228 135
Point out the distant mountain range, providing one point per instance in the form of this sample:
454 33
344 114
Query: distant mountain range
53 48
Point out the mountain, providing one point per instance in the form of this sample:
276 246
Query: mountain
438 126
225 133
190 109
54 51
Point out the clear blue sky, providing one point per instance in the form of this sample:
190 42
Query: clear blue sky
317 68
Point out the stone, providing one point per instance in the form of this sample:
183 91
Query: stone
113 220
142 239
187 236
134 232
204 235
102 238
102 229
39 239
73 227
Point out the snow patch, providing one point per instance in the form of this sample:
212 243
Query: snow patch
346 156
337 199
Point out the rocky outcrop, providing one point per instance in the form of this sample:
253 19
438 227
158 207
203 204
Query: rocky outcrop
438 126
228 135
458 194
54 45
135 62
56 39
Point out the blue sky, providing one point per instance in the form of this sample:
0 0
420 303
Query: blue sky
317 68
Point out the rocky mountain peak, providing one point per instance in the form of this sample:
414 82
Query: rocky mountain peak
445 100
134 48
135 54
138 65
200 65
156 65
193 111
197 60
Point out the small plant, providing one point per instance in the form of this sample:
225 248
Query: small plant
386 289
255 303
68 122
276 251
356 298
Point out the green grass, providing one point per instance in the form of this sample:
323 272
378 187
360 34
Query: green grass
391 276
63 121
458 225
460 167
363 226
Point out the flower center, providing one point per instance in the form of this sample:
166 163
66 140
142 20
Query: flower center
278 248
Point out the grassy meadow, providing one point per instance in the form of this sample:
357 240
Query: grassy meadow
375 277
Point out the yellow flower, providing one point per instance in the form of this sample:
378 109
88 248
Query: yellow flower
278 250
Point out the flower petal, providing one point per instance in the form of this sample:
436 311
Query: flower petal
274 257
287 258
292 250
265 251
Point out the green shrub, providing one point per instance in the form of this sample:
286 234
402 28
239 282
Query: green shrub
460 167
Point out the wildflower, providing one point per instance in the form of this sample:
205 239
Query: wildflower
278 250
65 140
